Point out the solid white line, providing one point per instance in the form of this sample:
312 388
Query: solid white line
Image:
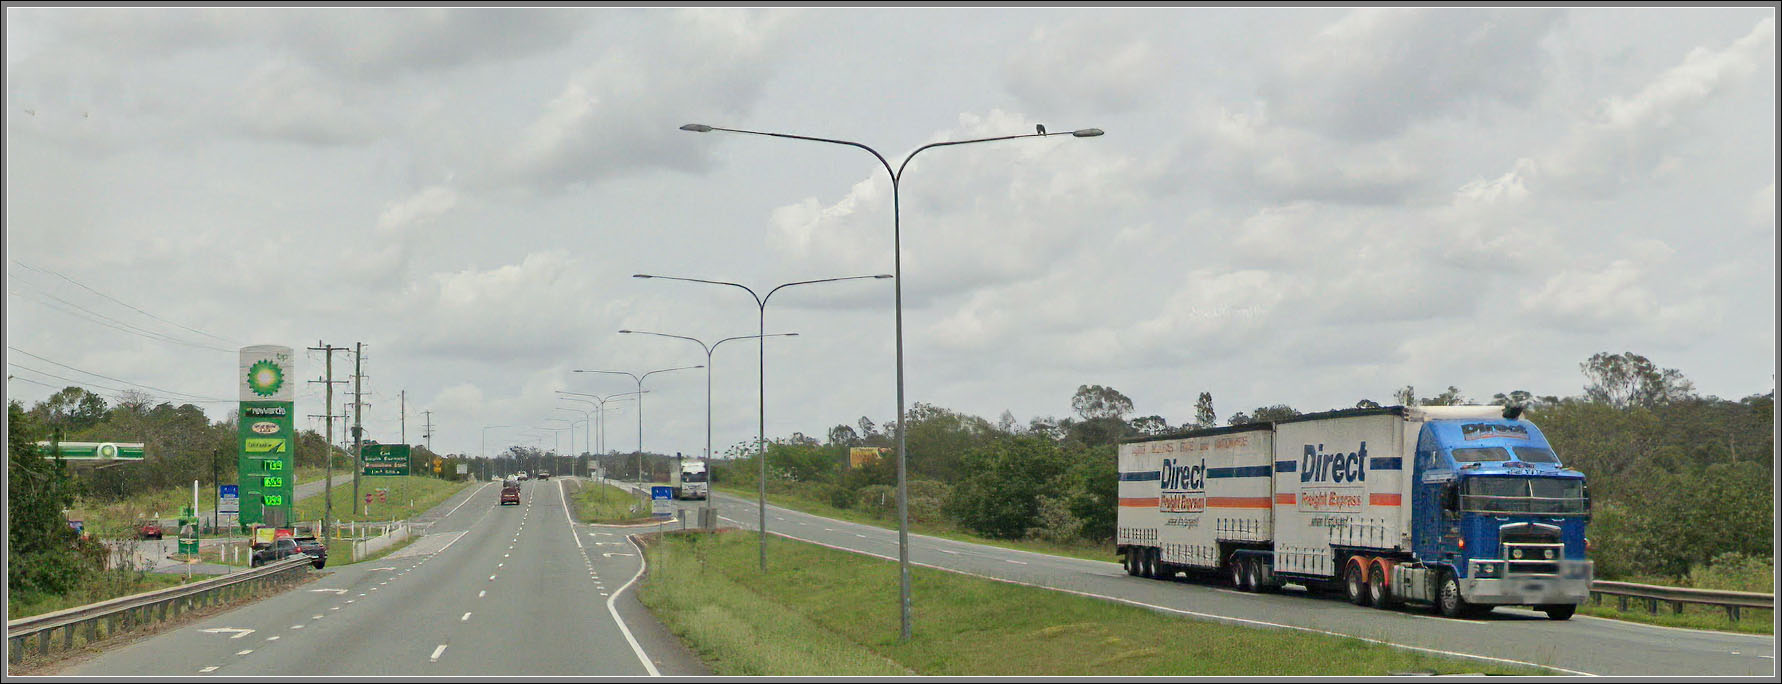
465 501
1209 616
564 494
635 648
435 657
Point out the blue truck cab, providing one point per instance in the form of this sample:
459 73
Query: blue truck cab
1498 517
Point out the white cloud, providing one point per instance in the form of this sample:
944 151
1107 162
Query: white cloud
421 208
1763 206
1094 65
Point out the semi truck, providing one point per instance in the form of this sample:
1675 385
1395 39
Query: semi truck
689 480
1460 507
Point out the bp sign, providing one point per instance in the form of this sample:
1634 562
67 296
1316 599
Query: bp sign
266 458
385 459
96 451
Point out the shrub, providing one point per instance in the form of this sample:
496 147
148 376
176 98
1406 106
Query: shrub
1735 571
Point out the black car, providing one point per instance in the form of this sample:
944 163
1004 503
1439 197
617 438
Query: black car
289 546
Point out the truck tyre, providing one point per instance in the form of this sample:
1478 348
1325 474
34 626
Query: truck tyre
1130 560
1378 589
1451 603
1253 575
1240 580
1353 585
1559 611
1154 563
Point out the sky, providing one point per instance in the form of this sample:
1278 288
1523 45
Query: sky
1300 206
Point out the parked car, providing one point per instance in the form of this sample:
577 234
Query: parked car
148 529
290 546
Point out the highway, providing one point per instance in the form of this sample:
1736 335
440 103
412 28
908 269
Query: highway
489 590
1583 645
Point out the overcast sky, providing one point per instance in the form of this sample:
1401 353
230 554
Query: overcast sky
1298 206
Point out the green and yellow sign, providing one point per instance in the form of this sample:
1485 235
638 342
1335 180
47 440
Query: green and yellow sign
385 459
267 457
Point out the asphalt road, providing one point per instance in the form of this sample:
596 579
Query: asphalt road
1582 645
489 590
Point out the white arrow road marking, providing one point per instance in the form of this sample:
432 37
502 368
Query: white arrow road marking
435 657
239 633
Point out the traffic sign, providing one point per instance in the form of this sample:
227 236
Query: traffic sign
662 501
385 459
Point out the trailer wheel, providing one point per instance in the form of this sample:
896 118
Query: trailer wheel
1253 575
1353 585
1558 611
1150 570
1239 578
1130 560
1382 594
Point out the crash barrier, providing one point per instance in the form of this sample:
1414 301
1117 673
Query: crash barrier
1732 601
102 620
393 533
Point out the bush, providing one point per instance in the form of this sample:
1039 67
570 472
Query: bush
1735 571
879 500
1055 523
840 497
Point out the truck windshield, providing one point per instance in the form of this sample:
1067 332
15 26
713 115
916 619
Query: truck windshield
693 477
1536 455
1524 495
1479 454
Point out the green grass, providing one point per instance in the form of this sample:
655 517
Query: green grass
1085 550
823 612
604 503
1751 620
114 585
408 497
118 519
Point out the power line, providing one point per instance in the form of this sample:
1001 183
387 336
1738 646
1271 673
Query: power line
88 385
114 324
122 303
107 377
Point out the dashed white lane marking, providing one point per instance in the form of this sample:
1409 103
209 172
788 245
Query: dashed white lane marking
272 638
296 626
209 669
500 564
506 555
466 618
491 578
435 657
862 536
1016 562
946 551
349 600
315 617
244 651
480 593
334 608
826 529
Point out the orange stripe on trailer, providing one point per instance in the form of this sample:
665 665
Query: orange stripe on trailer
1384 499
1286 499
1237 502
1151 502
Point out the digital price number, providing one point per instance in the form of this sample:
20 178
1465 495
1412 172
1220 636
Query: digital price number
274 500
272 482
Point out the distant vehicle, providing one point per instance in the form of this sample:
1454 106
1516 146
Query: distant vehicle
1460 507
149 529
689 481
521 477
286 547
544 475
510 493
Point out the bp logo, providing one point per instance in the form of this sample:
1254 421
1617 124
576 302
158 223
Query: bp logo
108 450
265 378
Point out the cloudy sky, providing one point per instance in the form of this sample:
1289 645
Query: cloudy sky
1295 206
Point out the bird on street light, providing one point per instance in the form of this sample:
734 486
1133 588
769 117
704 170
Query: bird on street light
1041 128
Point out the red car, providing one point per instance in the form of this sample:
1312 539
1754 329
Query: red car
148 529
510 495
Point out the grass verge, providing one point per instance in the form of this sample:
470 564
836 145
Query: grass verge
819 611
605 504
408 497
1751 620
23 605
1085 551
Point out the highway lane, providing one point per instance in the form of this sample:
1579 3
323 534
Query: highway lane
489 590
1583 644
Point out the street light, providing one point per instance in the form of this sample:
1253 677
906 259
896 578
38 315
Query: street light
639 393
600 410
761 378
903 509
710 492
587 424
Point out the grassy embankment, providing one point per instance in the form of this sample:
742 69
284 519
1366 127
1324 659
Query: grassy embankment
605 504
1759 578
113 586
819 611
1085 550
118 519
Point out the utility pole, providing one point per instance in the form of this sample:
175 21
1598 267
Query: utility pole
403 412
428 435
328 383
358 424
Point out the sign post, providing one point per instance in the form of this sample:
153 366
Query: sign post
266 462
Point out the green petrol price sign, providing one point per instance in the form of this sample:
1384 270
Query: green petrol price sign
385 459
267 455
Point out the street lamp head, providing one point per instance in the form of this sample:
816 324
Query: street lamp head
624 332
1086 132
791 334
697 128
883 276
642 275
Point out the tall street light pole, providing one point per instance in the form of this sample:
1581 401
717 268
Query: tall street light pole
639 393
587 425
761 381
708 415
903 512
600 410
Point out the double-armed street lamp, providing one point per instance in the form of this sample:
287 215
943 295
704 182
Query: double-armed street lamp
761 379
903 541
710 492
639 393
599 410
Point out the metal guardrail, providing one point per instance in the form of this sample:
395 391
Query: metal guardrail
1732 601
102 620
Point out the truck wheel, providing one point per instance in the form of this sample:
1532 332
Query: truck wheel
1153 564
1253 575
1452 604
1130 560
1356 589
1559 611
1382 594
1239 578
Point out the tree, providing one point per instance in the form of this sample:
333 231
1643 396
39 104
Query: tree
1406 396
1007 423
43 554
1628 379
1269 414
1367 404
1239 418
1449 397
842 435
1203 411
1095 401
1000 496
1514 398
71 410
868 431
1150 425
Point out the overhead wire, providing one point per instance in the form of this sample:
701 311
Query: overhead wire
107 377
123 303
113 323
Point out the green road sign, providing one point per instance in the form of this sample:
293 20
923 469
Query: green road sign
385 459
